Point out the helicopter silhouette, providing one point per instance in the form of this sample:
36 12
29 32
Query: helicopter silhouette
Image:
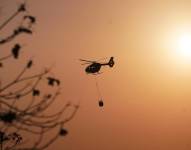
95 66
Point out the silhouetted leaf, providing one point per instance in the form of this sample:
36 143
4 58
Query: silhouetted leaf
22 7
31 18
18 96
29 64
16 50
16 137
63 132
48 96
50 81
2 134
8 117
53 81
36 92
3 137
25 30
57 81
1 64
22 30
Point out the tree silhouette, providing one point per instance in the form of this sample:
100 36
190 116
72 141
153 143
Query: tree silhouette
26 117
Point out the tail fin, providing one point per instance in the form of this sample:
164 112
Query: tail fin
111 62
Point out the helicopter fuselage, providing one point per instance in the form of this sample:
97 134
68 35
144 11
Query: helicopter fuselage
93 68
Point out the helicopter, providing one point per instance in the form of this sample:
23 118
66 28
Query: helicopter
95 66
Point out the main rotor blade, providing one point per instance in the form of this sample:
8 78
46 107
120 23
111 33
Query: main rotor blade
102 59
87 60
87 63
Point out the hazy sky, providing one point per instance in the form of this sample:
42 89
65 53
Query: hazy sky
147 93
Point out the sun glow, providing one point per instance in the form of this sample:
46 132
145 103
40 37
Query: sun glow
178 44
184 46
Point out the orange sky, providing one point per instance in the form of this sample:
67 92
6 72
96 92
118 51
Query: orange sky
146 94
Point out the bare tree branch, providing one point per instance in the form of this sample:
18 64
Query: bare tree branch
21 123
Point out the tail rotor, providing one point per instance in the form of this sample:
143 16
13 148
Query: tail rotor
111 62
